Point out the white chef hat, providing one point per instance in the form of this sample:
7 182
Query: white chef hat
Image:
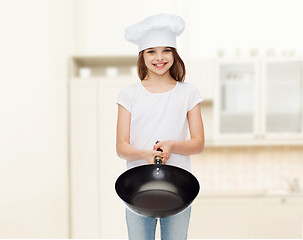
155 31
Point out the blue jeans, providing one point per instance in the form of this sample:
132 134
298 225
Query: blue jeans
144 228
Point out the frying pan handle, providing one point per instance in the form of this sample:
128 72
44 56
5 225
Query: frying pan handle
158 159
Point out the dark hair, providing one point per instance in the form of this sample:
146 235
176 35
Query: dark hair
177 70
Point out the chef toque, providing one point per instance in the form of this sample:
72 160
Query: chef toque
158 30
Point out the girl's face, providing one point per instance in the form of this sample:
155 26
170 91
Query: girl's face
158 60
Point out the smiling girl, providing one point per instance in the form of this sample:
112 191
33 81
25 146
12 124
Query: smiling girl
161 107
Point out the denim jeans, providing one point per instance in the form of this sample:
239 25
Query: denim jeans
144 228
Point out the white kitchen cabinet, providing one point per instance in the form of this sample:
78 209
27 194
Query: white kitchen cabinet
258 100
84 158
200 72
236 98
279 217
95 166
112 210
259 216
282 97
96 210
217 217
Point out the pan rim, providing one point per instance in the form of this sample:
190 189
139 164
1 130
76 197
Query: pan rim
152 166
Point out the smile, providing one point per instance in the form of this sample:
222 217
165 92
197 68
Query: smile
159 65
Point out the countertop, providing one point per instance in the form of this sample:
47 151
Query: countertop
204 194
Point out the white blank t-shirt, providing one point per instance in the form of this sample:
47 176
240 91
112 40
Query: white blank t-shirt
159 117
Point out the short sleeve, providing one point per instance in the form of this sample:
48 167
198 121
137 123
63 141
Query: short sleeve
194 97
124 98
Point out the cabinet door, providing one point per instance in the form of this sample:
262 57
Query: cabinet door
112 209
97 211
222 218
236 106
84 159
201 74
280 217
283 97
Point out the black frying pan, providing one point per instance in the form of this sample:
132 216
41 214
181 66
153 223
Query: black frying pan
157 190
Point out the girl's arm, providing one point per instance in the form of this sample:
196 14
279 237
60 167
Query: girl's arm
123 147
192 146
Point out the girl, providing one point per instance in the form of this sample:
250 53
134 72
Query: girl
161 107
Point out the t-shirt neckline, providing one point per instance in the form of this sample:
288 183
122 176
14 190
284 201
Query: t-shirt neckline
160 93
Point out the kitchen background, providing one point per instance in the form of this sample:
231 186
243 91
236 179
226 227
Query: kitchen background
63 64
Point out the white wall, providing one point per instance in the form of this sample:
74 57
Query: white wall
36 39
233 25
102 23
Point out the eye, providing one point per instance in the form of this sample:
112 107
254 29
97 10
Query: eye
167 50
150 51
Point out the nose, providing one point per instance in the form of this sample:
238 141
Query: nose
159 56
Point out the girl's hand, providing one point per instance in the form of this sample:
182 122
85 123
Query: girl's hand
149 155
166 146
